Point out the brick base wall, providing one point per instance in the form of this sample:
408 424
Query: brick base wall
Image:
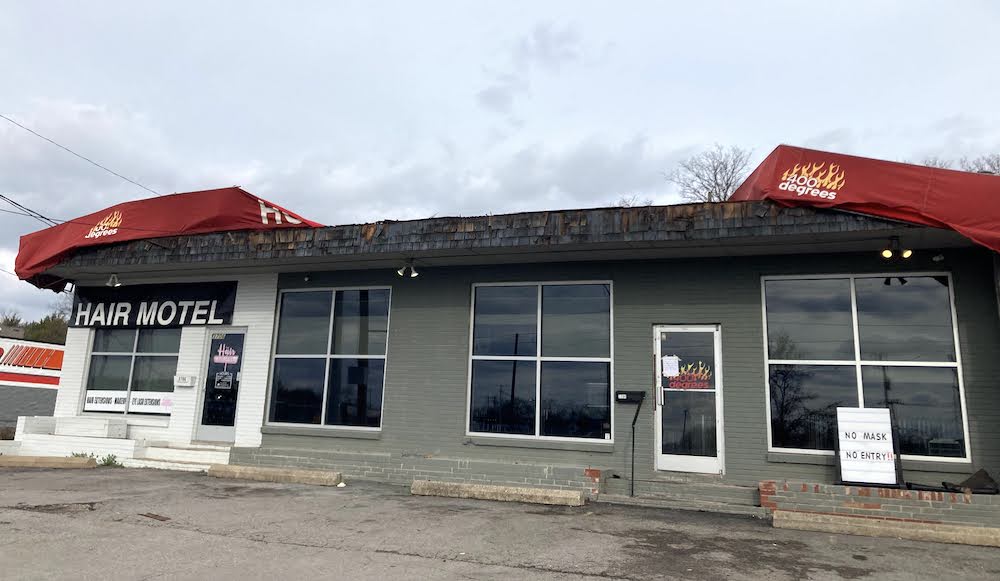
404 469
883 504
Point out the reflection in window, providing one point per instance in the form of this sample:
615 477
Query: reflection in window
576 399
505 320
900 321
127 361
297 391
339 360
361 322
355 397
503 397
926 407
575 320
304 322
688 423
804 401
513 391
809 319
905 319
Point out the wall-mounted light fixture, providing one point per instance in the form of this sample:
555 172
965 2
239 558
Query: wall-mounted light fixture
113 281
408 267
893 250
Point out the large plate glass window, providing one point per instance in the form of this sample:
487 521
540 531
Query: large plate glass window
541 360
329 360
132 370
864 341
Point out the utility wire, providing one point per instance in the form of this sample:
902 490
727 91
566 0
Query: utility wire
84 158
37 215
57 221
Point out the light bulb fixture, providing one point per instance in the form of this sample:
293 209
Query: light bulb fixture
113 281
408 267
893 250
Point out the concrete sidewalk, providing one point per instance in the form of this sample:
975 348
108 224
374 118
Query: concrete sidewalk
144 524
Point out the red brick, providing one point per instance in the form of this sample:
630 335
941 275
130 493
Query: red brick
592 473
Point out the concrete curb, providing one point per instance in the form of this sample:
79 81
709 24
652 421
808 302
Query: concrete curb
266 474
46 462
874 527
500 493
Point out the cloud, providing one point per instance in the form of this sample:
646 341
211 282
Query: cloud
548 48
593 172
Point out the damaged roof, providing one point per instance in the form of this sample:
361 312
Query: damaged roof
725 228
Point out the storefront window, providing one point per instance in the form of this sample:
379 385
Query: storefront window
329 362
131 369
541 360
864 341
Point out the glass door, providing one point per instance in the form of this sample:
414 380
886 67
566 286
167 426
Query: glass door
222 386
689 399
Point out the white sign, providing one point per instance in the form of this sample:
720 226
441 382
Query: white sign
671 366
151 402
867 454
105 400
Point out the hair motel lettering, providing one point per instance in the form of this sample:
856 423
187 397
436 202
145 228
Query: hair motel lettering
149 314
168 305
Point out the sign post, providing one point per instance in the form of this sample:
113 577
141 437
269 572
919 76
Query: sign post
867 452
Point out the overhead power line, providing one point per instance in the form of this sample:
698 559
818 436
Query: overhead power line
84 158
32 213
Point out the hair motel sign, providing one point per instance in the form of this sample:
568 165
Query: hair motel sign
160 305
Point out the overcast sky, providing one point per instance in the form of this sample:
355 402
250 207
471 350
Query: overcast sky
357 111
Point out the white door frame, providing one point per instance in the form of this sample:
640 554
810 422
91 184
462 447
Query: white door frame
681 462
204 433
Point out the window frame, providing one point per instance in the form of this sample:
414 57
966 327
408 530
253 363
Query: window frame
327 357
131 371
538 359
859 363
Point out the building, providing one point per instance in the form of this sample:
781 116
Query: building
29 378
514 348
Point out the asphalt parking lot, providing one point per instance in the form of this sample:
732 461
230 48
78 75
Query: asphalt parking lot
146 524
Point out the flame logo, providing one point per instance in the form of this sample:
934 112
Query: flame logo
827 178
107 226
702 372
112 220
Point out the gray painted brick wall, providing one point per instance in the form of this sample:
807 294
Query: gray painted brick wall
424 413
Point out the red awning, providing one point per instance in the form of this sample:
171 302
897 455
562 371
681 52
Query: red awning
174 215
968 203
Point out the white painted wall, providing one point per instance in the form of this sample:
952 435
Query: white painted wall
255 308
73 382
254 311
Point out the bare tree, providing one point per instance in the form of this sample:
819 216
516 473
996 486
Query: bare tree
988 163
63 305
712 175
633 201
935 161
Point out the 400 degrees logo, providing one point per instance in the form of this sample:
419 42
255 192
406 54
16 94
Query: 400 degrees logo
820 180
106 227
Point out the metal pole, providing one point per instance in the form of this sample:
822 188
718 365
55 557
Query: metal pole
631 479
